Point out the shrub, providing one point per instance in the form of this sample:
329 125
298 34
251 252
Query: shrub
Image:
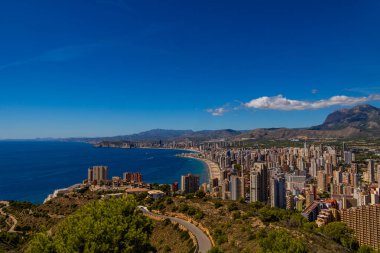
366 249
200 194
169 201
167 221
280 241
232 207
310 226
269 214
256 205
215 250
236 215
340 233
183 208
199 215
219 236
113 225
218 204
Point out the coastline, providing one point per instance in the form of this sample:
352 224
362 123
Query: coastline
213 168
179 149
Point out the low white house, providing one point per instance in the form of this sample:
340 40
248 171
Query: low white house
156 194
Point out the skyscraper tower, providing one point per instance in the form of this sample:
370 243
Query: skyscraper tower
236 187
189 183
277 191
97 173
371 171
259 183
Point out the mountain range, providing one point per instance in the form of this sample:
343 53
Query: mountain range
359 121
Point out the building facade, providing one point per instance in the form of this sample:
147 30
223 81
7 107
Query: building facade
189 183
259 183
97 174
364 221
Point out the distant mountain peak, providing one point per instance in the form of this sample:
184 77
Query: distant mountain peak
363 117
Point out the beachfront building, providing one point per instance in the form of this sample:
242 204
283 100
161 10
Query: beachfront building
189 183
97 174
134 177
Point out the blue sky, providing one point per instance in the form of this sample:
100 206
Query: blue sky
110 67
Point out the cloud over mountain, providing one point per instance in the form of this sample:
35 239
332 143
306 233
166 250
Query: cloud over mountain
280 102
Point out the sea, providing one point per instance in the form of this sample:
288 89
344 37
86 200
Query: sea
30 170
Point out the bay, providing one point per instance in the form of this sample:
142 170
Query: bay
30 170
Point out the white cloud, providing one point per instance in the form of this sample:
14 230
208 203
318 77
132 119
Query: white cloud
314 91
280 102
217 111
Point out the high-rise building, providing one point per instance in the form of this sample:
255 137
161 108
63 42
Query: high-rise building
174 187
97 174
295 182
347 157
289 201
337 177
371 171
277 192
236 187
375 198
344 147
189 183
313 168
135 177
259 183
328 169
355 180
364 221
215 182
309 196
321 181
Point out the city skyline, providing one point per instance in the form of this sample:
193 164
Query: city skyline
107 68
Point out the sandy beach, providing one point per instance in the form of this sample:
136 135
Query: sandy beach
213 168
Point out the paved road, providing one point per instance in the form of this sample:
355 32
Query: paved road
14 220
204 243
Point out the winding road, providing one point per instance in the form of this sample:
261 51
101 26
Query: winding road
204 243
10 216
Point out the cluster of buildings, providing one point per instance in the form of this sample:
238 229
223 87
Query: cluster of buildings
130 184
98 175
324 183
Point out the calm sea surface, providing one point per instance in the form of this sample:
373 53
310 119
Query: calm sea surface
30 170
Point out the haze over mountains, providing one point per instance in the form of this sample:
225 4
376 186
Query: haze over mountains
359 121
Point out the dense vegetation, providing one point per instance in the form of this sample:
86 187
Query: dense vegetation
237 226
280 241
84 223
168 237
113 225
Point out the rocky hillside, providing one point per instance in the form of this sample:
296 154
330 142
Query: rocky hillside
363 117
359 121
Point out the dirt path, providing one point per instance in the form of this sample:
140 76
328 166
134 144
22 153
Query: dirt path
10 216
